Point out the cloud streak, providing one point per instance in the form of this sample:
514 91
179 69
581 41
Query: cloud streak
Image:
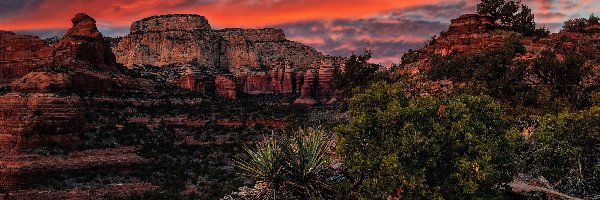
336 27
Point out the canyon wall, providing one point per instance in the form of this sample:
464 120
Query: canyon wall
19 54
260 61
43 109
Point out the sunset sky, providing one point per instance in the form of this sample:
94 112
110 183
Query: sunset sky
336 27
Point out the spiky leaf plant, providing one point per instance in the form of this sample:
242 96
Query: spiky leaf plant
295 168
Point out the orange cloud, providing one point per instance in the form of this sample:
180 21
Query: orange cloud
46 14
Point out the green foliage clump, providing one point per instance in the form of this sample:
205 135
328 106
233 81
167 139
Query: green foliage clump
358 72
513 15
296 168
494 73
562 76
576 25
579 24
425 148
565 151
411 56
593 19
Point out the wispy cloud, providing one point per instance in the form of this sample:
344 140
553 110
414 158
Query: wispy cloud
337 27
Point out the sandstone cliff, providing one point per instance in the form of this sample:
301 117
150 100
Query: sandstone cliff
45 108
261 61
19 54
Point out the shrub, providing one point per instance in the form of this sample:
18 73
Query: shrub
562 76
358 72
5 90
575 25
566 151
425 148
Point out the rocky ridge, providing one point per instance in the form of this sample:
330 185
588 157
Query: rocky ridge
260 61
43 108
73 111
473 33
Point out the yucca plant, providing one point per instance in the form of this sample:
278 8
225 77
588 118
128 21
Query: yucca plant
306 162
295 168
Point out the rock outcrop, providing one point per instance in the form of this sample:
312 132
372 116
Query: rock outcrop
44 108
473 33
170 23
84 43
466 34
261 61
307 90
19 54
472 23
225 87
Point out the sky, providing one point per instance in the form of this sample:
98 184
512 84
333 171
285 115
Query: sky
335 27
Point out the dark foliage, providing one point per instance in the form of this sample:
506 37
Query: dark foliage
358 72
425 148
513 15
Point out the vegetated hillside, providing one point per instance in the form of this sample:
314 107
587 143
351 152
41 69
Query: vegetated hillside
544 83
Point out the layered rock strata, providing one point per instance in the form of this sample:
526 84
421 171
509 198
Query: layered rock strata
44 107
261 61
19 54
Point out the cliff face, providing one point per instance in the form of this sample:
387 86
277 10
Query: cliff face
43 108
19 54
261 61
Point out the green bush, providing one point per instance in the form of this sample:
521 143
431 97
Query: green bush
565 151
358 72
513 15
563 76
455 148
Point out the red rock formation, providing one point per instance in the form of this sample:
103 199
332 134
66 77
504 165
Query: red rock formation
225 87
585 41
19 54
41 108
33 110
472 23
305 93
283 78
194 82
169 39
325 92
174 22
252 55
256 83
84 43
468 33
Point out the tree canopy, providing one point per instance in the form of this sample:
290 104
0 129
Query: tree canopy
513 15
425 148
